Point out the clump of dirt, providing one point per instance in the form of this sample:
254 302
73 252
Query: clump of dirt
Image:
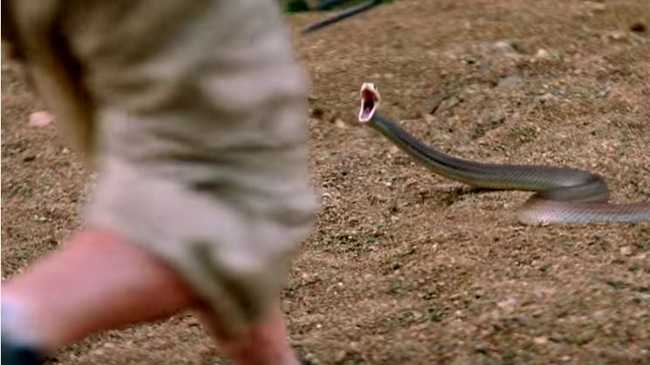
405 267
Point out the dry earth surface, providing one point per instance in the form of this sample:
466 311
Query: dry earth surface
404 267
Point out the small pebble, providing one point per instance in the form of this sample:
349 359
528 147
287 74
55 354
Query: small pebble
508 304
41 119
540 340
505 46
597 7
546 98
617 35
510 82
542 54
340 123
626 250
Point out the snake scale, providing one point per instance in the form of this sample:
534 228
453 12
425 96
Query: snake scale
563 195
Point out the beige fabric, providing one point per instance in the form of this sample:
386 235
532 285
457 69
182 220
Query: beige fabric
194 115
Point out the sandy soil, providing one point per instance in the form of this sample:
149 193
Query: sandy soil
405 267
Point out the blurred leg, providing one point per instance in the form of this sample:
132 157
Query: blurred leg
264 343
97 282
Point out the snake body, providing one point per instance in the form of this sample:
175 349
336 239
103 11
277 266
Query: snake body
562 194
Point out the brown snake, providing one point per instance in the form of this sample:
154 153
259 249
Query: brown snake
562 194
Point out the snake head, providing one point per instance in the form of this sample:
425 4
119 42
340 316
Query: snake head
370 99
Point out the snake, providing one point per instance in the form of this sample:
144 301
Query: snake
344 14
562 195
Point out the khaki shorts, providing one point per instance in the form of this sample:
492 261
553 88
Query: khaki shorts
194 115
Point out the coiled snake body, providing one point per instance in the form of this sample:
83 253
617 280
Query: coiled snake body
563 195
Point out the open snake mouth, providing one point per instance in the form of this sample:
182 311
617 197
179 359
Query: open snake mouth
370 99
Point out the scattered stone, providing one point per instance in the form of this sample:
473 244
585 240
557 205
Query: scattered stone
508 305
436 100
492 121
496 118
340 356
616 35
470 60
542 54
510 82
39 218
626 250
452 102
596 7
339 123
546 98
604 92
41 119
505 46
540 340
638 27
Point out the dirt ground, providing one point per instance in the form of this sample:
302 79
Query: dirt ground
405 267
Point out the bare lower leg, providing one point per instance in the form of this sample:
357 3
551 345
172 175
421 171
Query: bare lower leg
263 343
97 282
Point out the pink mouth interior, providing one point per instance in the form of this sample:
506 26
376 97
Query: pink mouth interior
368 105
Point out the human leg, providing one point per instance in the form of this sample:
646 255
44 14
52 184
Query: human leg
98 281
264 342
